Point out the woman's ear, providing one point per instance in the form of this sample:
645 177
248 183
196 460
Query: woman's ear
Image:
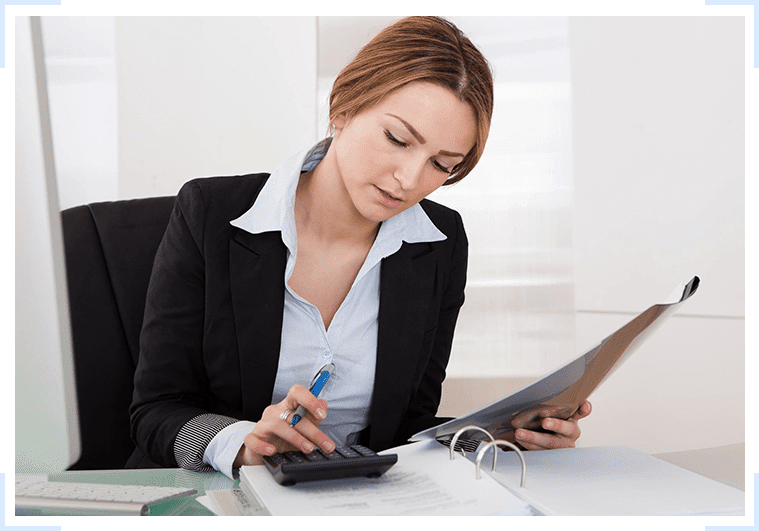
338 123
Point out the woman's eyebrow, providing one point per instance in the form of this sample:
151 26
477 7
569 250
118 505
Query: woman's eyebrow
420 138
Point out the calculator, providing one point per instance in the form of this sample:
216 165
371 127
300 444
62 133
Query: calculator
289 468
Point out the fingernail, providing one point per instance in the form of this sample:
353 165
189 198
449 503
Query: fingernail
270 450
329 446
307 447
520 434
549 425
321 413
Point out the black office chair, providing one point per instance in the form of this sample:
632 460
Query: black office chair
109 248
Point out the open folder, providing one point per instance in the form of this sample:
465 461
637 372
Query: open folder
560 393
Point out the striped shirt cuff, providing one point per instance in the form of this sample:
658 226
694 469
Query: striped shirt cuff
222 451
193 438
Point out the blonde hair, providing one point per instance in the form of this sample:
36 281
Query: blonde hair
428 49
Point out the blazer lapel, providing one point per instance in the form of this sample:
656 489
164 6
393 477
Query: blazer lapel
407 280
257 266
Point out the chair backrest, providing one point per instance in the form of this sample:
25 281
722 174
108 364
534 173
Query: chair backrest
110 248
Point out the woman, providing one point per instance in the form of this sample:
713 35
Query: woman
334 258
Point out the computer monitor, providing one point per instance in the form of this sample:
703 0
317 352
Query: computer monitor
47 427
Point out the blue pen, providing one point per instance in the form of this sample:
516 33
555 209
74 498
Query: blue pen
317 384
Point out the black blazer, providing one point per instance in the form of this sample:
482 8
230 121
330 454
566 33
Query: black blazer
213 319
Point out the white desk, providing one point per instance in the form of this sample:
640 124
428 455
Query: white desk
724 464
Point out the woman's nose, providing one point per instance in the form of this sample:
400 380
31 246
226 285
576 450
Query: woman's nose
409 173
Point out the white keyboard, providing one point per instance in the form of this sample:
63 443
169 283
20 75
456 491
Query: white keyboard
93 498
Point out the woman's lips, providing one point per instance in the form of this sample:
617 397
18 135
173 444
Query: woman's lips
387 199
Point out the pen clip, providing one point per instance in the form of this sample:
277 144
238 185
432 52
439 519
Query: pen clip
327 368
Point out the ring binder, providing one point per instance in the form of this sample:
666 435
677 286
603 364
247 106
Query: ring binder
499 442
484 449
464 429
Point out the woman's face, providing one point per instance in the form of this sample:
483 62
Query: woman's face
394 154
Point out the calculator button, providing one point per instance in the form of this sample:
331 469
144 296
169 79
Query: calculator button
294 457
347 452
277 459
316 455
363 450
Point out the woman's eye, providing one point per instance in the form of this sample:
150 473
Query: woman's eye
439 167
394 140
401 143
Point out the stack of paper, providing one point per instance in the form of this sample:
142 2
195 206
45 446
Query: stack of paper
423 482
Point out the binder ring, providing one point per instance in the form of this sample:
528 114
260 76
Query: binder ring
464 429
500 442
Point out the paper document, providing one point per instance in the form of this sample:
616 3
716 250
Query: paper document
232 502
561 392
613 480
423 482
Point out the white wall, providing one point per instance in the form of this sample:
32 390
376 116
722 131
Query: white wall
658 125
203 96
141 105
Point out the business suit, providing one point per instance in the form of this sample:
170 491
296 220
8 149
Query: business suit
213 322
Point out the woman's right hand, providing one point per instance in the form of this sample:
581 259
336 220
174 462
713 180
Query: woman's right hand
273 435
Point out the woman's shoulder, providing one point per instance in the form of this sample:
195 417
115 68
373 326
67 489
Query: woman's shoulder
222 197
445 218
225 186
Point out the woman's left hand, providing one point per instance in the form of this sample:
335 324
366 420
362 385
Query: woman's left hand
559 433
